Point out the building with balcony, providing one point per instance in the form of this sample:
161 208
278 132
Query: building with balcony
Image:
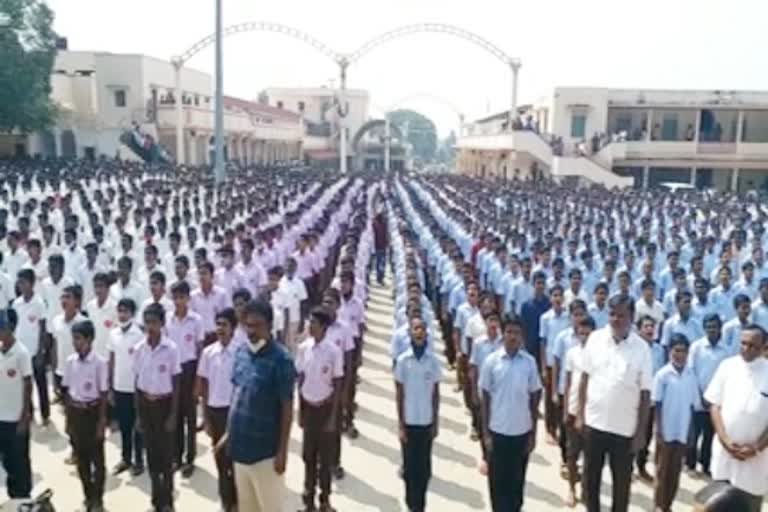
624 137
102 95
319 108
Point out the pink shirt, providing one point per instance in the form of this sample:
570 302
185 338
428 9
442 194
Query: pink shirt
351 311
156 367
207 305
85 379
215 366
187 333
230 280
254 276
319 363
304 264
340 334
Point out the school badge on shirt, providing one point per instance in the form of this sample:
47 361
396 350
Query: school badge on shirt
161 368
32 319
11 372
108 324
88 386
189 338
326 369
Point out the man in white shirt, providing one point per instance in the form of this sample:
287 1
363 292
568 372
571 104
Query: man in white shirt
15 408
295 292
102 311
614 402
122 341
738 395
125 287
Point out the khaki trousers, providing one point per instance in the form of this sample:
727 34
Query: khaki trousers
259 488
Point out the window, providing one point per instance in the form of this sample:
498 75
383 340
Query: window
120 98
578 125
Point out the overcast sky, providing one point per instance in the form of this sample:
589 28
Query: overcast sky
705 44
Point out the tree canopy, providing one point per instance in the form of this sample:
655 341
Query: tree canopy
27 53
419 130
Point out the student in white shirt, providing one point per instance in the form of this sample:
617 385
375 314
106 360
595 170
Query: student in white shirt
102 311
295 292
52 287
30 331
125 287
122 341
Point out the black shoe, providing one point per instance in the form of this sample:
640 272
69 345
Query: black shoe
338 473
121 467
187 470
352 432
137 470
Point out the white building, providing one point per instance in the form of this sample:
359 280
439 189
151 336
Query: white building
100 95
623 137
319 107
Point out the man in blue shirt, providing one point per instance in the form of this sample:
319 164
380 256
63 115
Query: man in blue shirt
531 313
705 357
261 414
511 388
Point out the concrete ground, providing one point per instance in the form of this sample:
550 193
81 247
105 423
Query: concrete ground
371 461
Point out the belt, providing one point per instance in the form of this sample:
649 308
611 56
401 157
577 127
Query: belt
84 405
155 398
321 403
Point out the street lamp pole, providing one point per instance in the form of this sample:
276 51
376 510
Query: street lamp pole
515 65
387 142
219 169
343 111
180 157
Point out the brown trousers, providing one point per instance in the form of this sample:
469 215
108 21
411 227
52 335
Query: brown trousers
670 463
217 420
318 451
186 425
160 446
89 450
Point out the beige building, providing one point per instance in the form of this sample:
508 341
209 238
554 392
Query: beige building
629 138
100 95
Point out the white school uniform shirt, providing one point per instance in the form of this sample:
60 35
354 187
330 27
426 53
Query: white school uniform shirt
295 292
741 391
51 294
7 290
122 345
15 366
62 332
574 365
104 319
29 313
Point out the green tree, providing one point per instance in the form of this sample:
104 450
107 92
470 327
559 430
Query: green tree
27 53
419 131
445 151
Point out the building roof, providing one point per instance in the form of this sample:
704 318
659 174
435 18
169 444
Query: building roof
504 114
255 107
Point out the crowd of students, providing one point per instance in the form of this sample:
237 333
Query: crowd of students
153 298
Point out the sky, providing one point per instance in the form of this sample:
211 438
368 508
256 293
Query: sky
692 44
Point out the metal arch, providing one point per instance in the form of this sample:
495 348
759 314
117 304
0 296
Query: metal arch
440 28
264 26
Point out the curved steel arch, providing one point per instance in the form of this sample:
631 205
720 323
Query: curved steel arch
440 28
426 95
264 26
372 124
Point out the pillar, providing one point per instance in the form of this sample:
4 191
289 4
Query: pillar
192 160
740 127
650 125
697 127
56 141
646 177
735 180
694 171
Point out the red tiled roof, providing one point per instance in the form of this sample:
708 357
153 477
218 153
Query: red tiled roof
260 108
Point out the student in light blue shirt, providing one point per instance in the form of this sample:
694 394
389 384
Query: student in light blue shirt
704 359
511 388
598 310
732 328
722 296
482 347
682 322
552 323
701 305
670 297
646 328
675 396
760 306
417 377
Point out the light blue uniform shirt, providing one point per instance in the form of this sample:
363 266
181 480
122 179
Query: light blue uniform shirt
760 313
401 341
481 349
691 328
563 343
463 314
676 395
600 316
702 310
418 377
658 356
550 326
722 301
510 381
732 335
456 298
704 358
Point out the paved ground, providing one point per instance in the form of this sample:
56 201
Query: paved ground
371 461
